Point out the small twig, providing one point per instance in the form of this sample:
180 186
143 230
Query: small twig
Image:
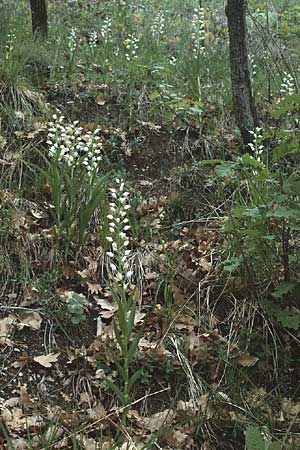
187 222
22 308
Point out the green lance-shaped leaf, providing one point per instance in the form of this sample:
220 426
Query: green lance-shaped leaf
116 390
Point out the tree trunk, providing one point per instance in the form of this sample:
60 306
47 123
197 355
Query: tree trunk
245 110
39 18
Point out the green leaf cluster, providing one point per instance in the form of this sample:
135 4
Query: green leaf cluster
75 308
75 196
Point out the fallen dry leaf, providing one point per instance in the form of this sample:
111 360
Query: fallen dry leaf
175 438
108 307
290 409
89 443
32 320
84 398
158 420
132 446
84 273
20 444
12 418
97 412
25 398
30 296
94 288
205 264
246 360
54 432
46 360
17 421
12 402
100 100
138 318
192 408
178 296
6 328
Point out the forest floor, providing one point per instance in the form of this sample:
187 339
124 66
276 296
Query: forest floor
207 364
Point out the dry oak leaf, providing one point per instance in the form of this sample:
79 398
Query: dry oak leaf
52 431
290 409
158 420
154 349
17 421
32 320
109 308
11 402
175 438
132 446
138 318
20 444
89 443
13 418
94 288
97 412
178 296
100 100
84 398
6 326
46 360
205 264
192 407
85 273
25 398
246 360
31 296
92 264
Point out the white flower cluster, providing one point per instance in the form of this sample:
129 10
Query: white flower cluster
3 142
72 41
255 146
158 28
253 66
93 39
105 31
173 61
10 45
288 85
198 34
73 145
119 253
131 46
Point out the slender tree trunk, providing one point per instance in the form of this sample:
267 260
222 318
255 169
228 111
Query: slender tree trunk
245 110
39 18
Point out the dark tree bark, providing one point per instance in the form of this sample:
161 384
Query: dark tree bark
244 105
39 18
